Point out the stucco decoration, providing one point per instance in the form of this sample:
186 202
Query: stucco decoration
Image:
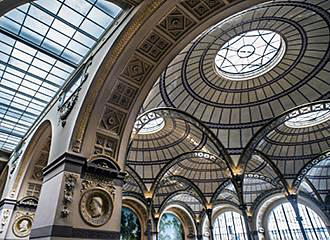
22 225
96 202
4 218
96 207
70 183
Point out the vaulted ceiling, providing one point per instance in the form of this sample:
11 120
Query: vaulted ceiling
42 43
266 118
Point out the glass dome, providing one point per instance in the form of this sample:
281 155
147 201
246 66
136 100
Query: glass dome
154 124
249 55
308 119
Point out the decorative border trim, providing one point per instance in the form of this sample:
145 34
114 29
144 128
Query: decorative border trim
70 232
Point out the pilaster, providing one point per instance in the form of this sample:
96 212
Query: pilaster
79 199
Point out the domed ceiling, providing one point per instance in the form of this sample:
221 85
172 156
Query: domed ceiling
235 108
252 87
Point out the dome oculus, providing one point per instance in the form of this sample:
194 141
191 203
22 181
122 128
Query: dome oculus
249 55
152 126
308 118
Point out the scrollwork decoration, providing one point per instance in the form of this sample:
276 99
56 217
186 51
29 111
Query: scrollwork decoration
69 185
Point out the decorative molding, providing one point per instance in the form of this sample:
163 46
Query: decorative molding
90 183
106 145
111 59
304 171
122 95
81 75
70 181
5 213
154 46
67 107
202 8
176 24
137 69
112 120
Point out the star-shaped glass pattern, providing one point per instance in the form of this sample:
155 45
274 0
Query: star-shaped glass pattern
250 54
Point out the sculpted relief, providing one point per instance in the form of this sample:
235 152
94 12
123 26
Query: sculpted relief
22 226
95 204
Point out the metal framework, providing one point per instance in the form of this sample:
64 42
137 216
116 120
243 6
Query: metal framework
41 44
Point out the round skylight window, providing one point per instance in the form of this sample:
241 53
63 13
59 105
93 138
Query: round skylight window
249 55
152 126
308 119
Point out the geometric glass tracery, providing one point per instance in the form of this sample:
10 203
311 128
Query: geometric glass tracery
229 225
282 223
41 44
249 54
309 118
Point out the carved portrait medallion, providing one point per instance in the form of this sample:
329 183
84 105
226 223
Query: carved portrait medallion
22 226
96 207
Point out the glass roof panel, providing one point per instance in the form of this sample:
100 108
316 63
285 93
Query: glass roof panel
250 54
41 44
309 116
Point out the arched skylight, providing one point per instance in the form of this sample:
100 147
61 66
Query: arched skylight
282 223
229 225
250 54
150 123
41 44
309 116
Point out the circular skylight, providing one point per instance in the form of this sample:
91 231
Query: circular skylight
152 126
308 119
250 55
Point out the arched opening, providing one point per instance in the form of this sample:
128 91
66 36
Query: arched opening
229 225
130 228
282 223
170 227
28 182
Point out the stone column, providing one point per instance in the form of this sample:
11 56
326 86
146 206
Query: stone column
79 200
294 203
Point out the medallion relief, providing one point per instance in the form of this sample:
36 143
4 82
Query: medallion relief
96 203
22 225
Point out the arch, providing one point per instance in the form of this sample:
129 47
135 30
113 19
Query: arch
200 154
304 201
224 211
3 180
136 88
309 165
171 200
189 184
281 119
136 178
177 214
140 210
274 168
37 142
186 217
221 188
